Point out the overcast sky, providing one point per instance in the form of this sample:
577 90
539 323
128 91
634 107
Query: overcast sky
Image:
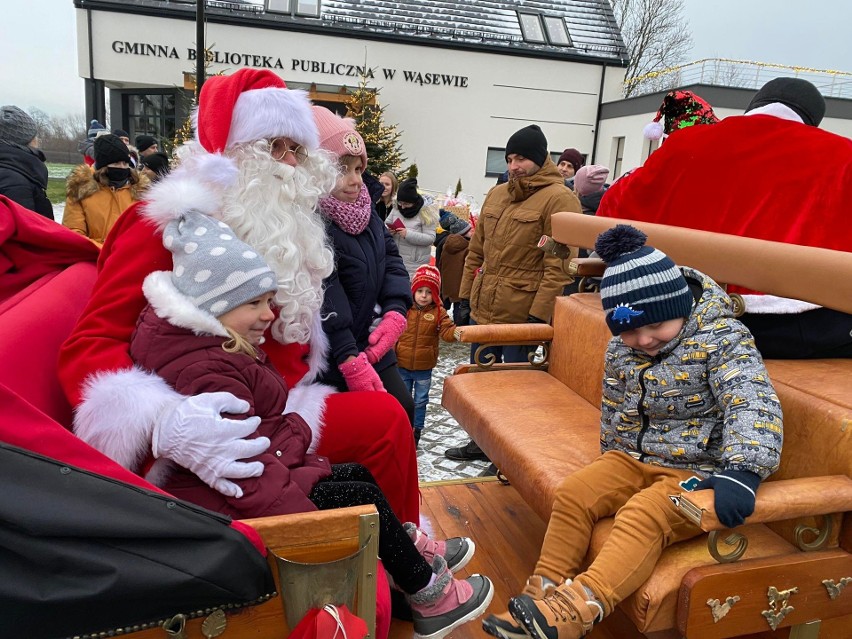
38 59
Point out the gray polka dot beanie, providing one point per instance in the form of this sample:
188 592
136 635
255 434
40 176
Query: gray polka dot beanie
214 269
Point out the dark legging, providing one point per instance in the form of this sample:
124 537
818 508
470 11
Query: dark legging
394 385
353 485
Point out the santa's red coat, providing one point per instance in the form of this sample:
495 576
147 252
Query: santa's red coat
754 176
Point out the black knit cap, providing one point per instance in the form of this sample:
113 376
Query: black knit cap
800 95
108 149
157 162
407 191
528 142
121 133
145 142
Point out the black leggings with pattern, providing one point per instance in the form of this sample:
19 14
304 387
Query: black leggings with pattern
354 485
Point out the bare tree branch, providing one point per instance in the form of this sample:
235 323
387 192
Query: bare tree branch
657 36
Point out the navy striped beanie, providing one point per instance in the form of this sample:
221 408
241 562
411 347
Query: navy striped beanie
640 285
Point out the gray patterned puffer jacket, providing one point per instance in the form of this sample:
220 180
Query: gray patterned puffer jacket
703 403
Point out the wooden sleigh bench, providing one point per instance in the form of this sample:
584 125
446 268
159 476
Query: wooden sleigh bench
787 567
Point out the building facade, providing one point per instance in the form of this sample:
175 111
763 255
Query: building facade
457 78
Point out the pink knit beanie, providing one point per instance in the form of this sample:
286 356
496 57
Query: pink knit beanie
590 179
338 135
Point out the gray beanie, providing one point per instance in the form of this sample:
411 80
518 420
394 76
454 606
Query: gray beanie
214 269
16 126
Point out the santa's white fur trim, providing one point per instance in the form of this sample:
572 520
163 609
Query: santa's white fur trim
177 193
778 110
653 131
160 471
216 169
176 308
308 401
263 114
118 413
774 305
318 353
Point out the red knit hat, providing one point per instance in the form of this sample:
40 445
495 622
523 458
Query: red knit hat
251 105
430 277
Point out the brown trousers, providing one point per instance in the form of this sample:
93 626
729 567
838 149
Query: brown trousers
646 522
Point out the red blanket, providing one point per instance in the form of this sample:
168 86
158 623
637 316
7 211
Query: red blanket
32 246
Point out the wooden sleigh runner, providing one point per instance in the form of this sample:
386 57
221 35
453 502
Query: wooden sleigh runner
786 572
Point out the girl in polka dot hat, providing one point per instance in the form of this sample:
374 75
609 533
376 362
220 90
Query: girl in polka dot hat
199 333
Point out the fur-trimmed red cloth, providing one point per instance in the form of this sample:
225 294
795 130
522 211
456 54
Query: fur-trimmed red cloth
755 176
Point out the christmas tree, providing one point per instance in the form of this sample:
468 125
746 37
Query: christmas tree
384 152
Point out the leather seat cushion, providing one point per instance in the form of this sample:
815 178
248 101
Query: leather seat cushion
556 433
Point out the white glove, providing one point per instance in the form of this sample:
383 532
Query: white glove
193 434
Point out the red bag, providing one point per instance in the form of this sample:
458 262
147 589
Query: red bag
330 622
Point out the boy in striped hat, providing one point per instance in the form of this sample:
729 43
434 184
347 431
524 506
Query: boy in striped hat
687 405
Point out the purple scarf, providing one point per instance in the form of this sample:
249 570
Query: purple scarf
351 217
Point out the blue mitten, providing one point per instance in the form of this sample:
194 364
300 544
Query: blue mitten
734 495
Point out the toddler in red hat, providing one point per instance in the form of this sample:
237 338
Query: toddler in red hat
417 348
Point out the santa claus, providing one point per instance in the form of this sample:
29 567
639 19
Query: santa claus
771 175
254 166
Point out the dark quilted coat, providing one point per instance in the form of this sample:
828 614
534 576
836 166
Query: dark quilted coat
368 275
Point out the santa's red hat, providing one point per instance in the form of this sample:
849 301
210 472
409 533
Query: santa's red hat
251 105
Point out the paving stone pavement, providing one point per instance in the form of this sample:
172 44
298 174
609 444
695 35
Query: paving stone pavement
441 430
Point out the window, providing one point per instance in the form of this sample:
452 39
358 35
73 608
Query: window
150 114
652 146
531 27
495 162
305 8
544 29
618 153
557 32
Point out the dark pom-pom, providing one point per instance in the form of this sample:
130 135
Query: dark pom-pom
619 240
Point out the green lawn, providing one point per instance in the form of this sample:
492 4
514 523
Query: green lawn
56 174
56 190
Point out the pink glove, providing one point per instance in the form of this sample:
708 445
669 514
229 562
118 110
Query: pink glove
385 336
360 375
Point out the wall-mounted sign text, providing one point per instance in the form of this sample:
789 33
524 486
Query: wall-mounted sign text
296 64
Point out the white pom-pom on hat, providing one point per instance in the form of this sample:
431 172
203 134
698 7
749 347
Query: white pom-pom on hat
653 131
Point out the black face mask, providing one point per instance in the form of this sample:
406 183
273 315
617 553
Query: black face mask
413 210
117 176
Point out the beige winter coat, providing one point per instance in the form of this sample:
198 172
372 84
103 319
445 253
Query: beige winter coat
506 276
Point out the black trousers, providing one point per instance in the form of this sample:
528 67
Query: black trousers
822 332
394 385
354 485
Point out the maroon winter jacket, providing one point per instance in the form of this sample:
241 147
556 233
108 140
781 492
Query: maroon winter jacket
193 364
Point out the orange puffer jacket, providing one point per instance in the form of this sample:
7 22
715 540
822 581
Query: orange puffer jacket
417 348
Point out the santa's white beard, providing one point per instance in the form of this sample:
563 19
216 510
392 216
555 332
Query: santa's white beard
273 208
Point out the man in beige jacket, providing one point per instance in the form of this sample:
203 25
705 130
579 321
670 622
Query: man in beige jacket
507 278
